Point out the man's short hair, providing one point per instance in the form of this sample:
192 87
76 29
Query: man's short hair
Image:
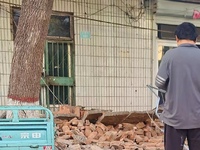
186 31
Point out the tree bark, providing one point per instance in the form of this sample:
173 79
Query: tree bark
26 67
29 42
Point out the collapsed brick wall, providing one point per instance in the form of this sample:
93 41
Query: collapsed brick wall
89 130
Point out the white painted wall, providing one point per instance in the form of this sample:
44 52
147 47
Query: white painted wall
6 48
113 67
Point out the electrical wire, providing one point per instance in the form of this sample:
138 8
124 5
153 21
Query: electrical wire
123 2
86 18
90 3
154 121
127 13
94 13
119 24
135 8
10 3
127 7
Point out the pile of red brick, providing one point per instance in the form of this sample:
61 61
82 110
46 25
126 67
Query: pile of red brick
83 131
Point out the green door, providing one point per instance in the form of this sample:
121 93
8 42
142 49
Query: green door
58 77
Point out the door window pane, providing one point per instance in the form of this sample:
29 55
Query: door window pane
161 52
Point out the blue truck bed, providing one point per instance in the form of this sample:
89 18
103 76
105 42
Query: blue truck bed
27 133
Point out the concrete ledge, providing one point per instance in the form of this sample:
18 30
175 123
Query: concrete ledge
113 118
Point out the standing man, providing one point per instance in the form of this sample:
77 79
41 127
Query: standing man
179 75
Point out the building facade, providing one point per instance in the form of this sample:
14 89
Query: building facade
98 53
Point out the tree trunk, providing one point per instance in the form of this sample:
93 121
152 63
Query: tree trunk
26 69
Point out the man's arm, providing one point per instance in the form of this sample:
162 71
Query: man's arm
162 76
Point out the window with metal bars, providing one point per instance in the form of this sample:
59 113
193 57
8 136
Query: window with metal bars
58 72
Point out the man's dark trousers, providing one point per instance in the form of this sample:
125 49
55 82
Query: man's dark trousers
174 138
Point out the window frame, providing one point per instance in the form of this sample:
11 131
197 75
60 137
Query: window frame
162 26
71 38
53 38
